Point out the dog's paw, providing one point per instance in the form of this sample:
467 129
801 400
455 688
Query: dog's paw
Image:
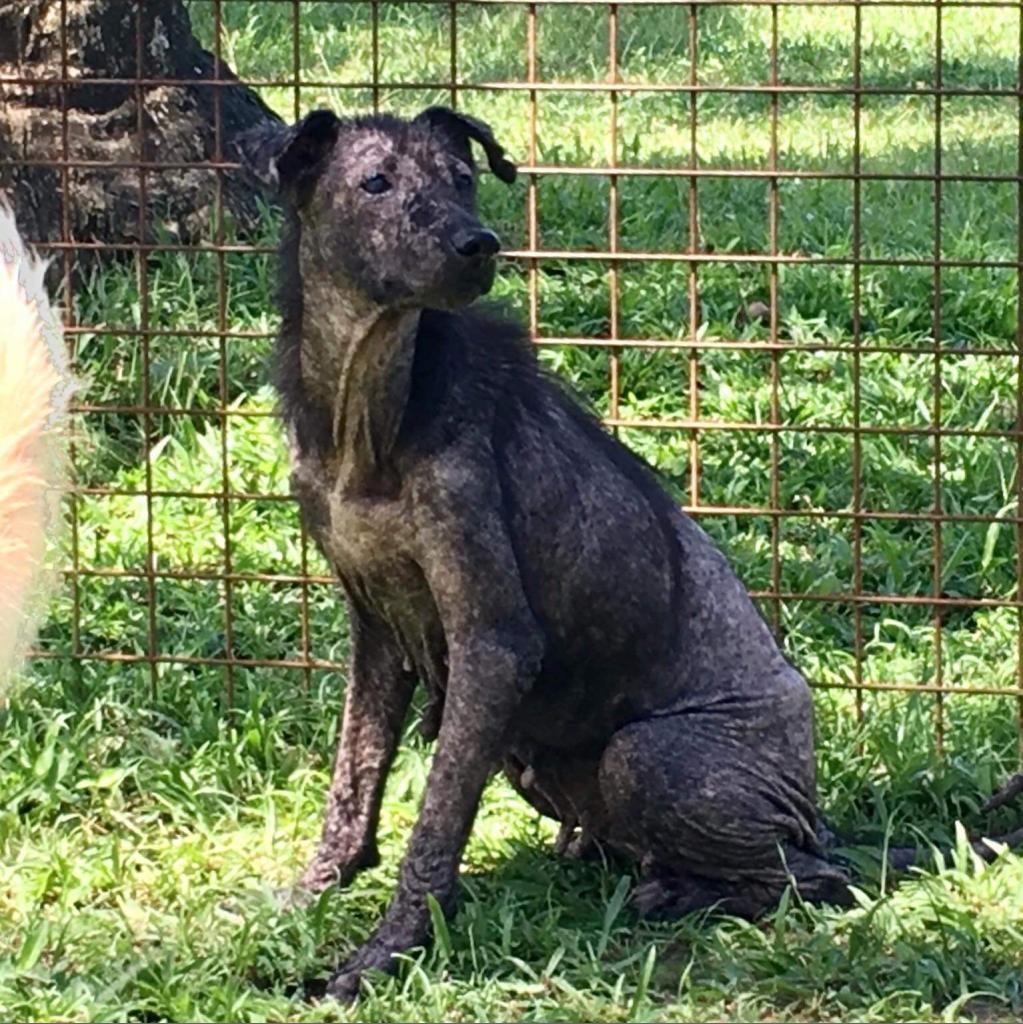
344 986
373 956
652 897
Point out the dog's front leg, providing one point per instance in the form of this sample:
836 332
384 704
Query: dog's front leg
482 692
494 653
376 704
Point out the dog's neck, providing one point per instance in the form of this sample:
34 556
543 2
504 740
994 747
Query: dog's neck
356 361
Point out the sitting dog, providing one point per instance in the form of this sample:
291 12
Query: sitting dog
569 623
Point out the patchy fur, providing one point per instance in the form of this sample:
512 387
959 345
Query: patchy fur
33 398
569 623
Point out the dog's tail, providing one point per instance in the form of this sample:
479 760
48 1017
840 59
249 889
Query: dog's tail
35 387
900 859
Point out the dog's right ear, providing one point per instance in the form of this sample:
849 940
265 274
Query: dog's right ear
287 160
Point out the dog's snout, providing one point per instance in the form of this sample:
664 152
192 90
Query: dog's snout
475 242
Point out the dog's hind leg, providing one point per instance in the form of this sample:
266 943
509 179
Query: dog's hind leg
716 819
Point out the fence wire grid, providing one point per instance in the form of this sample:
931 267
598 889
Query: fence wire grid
717 293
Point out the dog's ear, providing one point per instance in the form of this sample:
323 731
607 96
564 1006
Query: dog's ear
460 128
288 160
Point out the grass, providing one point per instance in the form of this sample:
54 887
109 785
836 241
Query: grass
144 820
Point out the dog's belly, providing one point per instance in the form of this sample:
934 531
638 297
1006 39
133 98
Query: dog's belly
562 711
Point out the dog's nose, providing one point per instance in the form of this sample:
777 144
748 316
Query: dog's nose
476 242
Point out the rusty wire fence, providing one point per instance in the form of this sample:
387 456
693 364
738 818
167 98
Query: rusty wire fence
571 224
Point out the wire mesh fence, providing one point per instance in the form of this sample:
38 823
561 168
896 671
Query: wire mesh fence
778 244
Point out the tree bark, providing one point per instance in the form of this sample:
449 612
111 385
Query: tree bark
118 40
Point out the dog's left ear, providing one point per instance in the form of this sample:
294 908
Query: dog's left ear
288 160
460 128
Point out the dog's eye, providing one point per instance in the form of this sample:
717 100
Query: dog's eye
463 180
376 184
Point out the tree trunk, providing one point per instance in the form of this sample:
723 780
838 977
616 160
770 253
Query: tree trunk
178 123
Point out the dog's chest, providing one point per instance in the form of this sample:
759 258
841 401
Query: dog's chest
362 535
370 542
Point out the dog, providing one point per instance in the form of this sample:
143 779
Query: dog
569 623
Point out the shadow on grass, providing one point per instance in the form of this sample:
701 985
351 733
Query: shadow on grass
531 922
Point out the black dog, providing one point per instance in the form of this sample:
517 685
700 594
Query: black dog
569 622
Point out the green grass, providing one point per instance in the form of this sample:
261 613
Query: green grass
144 821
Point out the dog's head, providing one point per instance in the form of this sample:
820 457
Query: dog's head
387 206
